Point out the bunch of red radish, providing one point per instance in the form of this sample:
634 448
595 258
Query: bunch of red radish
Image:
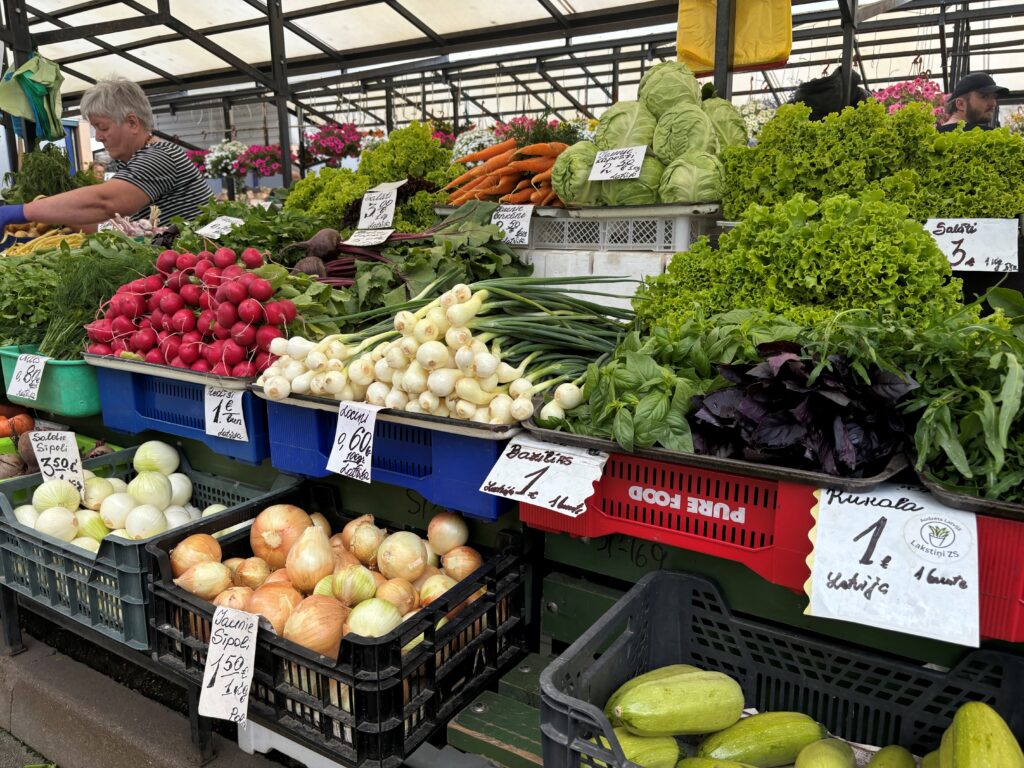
206 312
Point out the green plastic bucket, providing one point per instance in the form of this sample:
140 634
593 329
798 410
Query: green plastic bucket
68 387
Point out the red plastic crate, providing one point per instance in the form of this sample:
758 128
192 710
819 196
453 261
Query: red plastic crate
762 524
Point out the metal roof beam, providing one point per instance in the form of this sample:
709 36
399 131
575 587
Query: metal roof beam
555 14
99 28
581 108
301 32
878 8
416 21
91 5
532 93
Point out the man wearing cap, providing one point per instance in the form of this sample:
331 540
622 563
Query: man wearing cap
973 102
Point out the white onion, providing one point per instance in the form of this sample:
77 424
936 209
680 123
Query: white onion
193 512
373 618
213 509
26 515
115 509
176 516
86 543
155 456
144 521
96 490
181 489
151 489
88 474
58 522
91 524
120 486
55 493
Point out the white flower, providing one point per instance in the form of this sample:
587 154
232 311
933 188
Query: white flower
220 160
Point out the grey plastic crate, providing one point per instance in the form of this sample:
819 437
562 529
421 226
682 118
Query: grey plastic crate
106 592
678 618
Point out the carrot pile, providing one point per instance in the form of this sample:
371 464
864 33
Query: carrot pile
509 174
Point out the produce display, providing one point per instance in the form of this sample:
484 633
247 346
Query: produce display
17 456
315 586
705 711
42 173
507 173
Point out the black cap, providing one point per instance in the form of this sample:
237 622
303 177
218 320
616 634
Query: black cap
981 82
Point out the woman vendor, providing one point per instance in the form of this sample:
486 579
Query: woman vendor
149 172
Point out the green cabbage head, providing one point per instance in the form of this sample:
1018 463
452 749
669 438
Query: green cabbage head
625 124
667 85
729 124
570 175
696 177
642 190
683 129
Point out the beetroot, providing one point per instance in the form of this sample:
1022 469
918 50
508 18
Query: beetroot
212 277
155 356
167 261
96 348
243 334
183 321
234 292
201 266
186 261
227 315
323 245
252 258
201 366
266 334
224 257
206 322
251 311
244 370
190 294
260 289
232 353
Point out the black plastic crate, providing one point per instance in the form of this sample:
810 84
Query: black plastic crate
375 704
676 618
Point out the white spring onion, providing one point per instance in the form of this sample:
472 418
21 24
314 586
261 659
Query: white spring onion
501 408
380 350
552 410
279 346
414 379
298 347
489 384
442 382
315 360
383 371
463 293
396 359
426 331
377 392
361 372
568 396
522 409
300 384
334 382
520 388
461 314
405 322
486 364
335 365
439 317
469 389
429 402
316 385
432 355
277 388
457 336
464 361
413 406
293 369
396 399
464 410
482 415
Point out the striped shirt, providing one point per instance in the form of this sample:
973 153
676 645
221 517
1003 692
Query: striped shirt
170 180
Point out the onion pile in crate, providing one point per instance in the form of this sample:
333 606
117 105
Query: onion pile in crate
208 312
314 587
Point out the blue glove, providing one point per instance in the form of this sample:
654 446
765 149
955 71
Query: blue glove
12 214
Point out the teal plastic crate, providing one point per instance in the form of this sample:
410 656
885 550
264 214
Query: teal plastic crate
107 592
68 387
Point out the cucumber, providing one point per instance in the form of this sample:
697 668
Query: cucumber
892 757
704 762
768 740
686 704
828 753
660 752
979 738
656 674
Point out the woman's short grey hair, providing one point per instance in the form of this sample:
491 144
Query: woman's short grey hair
116 99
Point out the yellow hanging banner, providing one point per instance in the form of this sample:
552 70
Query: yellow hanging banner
763 34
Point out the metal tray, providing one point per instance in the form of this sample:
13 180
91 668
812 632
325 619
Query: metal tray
896 464
968 503
422 420
166 372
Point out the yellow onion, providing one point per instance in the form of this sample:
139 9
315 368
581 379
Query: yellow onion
447 531
252 573
434 587
461 562
275 530
233 563
342 558
234 597
321 522
275 603
350 529
309 559
353 584
432 557
279 577
325 586
402 556
427 573
194 549
317 623
419 638
401 594
366 539
205 580
379 578
373 618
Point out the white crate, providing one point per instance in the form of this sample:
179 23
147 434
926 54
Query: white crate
631 266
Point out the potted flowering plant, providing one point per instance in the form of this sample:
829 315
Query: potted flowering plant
332 143
919 90
220 160
1014 122
262 160
756 113
198 158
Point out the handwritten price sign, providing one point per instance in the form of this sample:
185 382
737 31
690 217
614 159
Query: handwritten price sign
224 415
611 164
554 477
977 245
514 221
368 237
58 457
352 451
219 227
229 665
28 375
894 558
378 207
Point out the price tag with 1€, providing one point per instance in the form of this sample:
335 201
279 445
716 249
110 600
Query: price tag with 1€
28 375
612 164
556 477
224 414
367 237
377 210
227 676
894 558
514 221
977 245
58 456
219 227
352 451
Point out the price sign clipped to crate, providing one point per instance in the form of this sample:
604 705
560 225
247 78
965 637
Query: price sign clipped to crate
514 221
894 558
227 676
368 237
556 477
377 209
219 227
352 450
28 375
977 245
58 456
225 416
613 164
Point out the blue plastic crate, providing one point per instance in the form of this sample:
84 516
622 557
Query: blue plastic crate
444 468
134 402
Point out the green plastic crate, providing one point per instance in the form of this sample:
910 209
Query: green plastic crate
68 387
107 592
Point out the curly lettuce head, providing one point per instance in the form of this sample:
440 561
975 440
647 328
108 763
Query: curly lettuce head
684 128
729 124
642 190
667 85
696 177
625 124
570 176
